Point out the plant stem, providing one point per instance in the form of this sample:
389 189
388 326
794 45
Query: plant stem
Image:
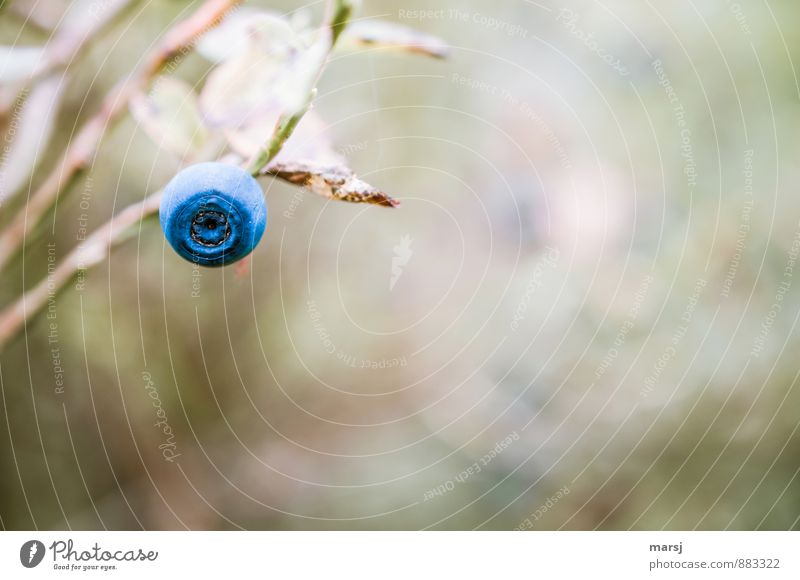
94 250
342 11
91 252
176 43
99 244
283 130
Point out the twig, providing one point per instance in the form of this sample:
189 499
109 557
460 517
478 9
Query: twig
283 130
342 11
81 151
94 250
99 244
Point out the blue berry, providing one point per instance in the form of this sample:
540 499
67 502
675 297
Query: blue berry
213 213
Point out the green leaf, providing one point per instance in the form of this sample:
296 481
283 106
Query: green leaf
169 114
19 62
392 36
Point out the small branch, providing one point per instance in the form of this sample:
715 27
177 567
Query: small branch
94 250
341 183
337 17
342 11
335 182
177 42
283 130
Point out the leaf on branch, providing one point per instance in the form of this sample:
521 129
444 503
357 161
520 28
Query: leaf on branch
389 35
19 62
170 116
275 71
32 133
231 37
332 181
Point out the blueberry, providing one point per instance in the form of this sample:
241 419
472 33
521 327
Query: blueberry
213 213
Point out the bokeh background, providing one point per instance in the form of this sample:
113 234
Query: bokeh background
583 315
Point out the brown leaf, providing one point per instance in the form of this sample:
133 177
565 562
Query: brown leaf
332 181
381 33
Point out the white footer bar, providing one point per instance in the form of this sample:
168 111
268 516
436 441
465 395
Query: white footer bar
401 555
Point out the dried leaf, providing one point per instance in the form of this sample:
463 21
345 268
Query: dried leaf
32 131
19 62
169 114
384 34
332 181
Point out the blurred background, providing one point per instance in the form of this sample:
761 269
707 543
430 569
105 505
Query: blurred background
582 316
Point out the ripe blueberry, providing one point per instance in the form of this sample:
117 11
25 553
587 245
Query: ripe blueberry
213 213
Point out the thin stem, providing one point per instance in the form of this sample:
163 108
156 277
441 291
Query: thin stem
342 11
99 244
283 130
177 42
94 250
